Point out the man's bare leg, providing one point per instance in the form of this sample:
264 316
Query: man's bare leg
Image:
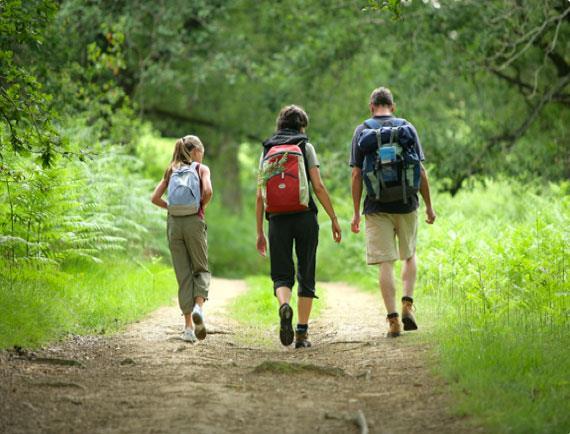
387 286
389 295
409 272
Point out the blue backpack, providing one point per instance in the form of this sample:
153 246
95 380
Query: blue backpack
391 169
184 192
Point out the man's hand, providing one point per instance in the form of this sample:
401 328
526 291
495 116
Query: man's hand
355 224
430 215
336 232
261 244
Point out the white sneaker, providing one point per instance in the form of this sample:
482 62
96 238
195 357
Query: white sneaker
188 335
199 325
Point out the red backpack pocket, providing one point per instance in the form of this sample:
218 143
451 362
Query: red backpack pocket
285 184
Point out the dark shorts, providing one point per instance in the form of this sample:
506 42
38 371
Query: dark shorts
302 230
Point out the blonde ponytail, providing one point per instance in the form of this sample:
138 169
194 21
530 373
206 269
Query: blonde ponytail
183 149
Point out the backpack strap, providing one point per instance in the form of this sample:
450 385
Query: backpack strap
376 124
301 145
372 124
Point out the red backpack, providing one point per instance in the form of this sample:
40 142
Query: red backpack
285 186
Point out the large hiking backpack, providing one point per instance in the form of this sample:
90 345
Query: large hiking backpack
184 193
285 187
391 169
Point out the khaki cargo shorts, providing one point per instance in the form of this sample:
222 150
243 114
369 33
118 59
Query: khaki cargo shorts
382 229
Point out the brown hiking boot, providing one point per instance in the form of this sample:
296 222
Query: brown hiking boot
394 327
408 317
301 340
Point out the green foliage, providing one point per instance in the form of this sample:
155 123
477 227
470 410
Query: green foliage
512 379
224 70
39 307
78 209
77 78
499 283
394 6
231 242
25 109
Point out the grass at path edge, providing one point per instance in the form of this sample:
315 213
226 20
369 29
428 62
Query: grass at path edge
44 305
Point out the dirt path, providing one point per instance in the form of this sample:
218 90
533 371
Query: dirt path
146 380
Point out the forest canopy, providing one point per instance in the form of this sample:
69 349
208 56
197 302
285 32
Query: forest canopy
83 82
486 87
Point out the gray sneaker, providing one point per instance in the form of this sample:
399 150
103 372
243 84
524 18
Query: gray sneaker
199 325
189 336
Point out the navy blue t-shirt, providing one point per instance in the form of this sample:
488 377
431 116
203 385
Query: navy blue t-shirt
372 206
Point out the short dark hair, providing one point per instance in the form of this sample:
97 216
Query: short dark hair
381 96
292 117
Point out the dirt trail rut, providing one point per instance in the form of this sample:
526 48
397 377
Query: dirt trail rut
146 380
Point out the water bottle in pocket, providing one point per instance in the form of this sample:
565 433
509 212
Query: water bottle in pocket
388 161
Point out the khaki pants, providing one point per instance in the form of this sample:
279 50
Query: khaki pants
382 229
187 238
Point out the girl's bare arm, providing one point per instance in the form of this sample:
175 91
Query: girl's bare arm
156 197
207 191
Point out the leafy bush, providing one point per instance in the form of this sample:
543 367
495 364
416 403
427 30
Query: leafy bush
77 209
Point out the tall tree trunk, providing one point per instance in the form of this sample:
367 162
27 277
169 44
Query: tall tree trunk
226 175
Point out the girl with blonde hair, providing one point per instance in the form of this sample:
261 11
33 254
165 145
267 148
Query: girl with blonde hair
189 192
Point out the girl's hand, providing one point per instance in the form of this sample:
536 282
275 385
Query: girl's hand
261 244
336 231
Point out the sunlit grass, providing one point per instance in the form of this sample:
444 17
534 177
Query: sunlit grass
38 307
511 380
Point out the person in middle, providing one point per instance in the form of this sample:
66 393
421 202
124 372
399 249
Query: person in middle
288 171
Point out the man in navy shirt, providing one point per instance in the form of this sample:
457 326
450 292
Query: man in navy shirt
389 222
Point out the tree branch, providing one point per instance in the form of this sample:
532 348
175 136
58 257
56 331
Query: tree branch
182 117
526 89
508 138
531 38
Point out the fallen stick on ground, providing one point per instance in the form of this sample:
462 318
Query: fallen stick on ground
282 367
358 419
51 361
361 422
349 342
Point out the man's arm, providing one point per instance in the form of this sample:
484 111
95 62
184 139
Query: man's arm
424 191
356 187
